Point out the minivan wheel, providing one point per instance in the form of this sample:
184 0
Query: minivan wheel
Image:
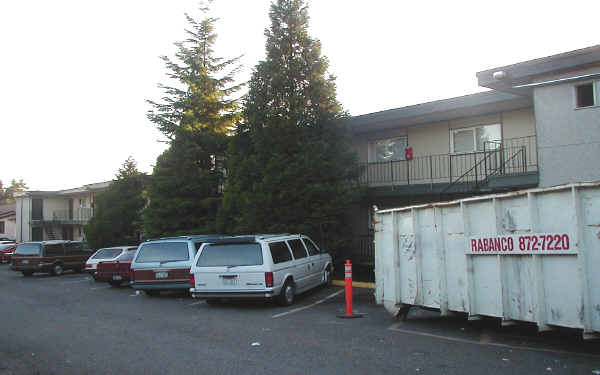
57 270
286 297
326 277
27 273
152 293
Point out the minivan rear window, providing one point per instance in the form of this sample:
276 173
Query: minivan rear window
107 253
28 249
163 252
239 254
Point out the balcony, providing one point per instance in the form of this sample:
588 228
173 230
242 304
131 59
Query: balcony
501 165
66 216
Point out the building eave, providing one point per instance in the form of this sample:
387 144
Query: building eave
479 104
505 78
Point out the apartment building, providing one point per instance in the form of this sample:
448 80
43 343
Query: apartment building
8 221
538 126
53 215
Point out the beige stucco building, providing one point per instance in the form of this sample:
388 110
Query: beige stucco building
51 215
538 126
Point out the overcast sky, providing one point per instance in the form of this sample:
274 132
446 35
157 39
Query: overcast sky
74 75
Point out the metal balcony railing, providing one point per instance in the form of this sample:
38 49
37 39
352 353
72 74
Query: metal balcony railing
497 158
77 214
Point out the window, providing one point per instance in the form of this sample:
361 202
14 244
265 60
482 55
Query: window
230 255
107 253
280 252
297 249
28 249
74 248
473 139
126 256
587 95
163 252
312 248
391 149
54 250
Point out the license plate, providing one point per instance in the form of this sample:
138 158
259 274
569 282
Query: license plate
161 275
229 281
116 277
25 262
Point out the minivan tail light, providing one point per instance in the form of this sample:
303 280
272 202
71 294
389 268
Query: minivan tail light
192 280
269 279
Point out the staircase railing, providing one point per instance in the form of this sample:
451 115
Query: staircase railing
493 163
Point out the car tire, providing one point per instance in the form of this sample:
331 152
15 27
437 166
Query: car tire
287 294
78 270
115 284
27 273
213 301
57 270
152 293
327 277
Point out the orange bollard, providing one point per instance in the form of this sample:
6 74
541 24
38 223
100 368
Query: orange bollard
348 276
348 287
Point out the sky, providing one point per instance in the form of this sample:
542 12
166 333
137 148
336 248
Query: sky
74 75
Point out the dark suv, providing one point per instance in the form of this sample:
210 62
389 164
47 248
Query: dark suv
49 256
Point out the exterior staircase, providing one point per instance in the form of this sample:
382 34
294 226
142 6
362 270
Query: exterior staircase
50 233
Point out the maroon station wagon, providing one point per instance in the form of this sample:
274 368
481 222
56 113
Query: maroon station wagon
117 271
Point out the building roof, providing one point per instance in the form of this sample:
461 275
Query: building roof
95 187
441 110
505 78
8 210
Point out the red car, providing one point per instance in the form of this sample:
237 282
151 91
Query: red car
6 251
115 272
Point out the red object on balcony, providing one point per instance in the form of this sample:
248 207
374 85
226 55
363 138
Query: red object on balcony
408 153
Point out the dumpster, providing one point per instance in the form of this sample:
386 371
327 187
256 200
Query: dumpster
526 256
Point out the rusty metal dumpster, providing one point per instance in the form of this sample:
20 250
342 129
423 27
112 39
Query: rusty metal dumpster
526 256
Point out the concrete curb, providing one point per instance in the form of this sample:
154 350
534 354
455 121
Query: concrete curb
355 284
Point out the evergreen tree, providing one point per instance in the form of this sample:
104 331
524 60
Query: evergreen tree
117 210
7 194
289 167
196 116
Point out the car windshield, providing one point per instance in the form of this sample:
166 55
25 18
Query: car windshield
163 252
232 255
28 249
4 247
107 253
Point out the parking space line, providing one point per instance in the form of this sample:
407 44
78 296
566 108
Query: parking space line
76 281
395 328
308 306
197 303
101 287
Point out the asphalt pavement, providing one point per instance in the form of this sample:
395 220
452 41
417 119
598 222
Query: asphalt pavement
73 325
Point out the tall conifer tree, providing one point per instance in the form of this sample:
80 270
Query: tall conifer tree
289 167
117 210
196 115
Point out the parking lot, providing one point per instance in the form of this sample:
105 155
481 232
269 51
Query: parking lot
72 325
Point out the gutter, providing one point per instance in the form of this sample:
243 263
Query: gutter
558 81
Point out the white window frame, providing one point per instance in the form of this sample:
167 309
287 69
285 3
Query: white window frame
473 128
596 93
371 151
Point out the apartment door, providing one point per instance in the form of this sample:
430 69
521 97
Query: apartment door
37 209
70 208
37 234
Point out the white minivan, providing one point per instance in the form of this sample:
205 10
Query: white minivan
260 266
